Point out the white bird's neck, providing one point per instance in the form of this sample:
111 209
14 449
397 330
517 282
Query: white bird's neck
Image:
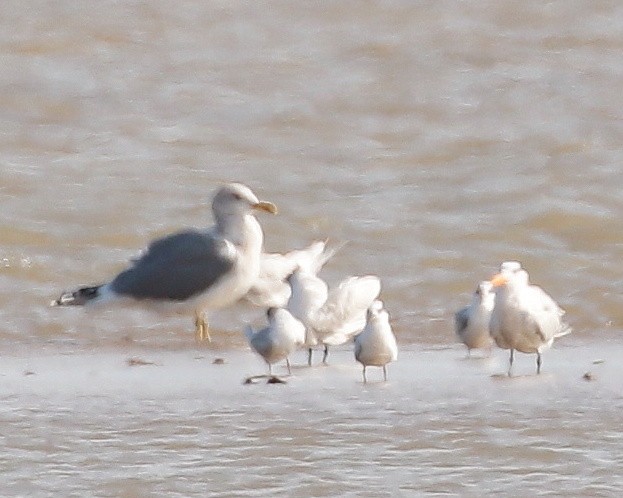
516 285
243 231
382 324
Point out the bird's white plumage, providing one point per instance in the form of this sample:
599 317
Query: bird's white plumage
376 344
344 312
524 316
331 318
275 342
308 294
472 322
271 288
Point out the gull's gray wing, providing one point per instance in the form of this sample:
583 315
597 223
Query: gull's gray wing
176 267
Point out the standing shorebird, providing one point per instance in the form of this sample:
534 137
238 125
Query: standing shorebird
194 269
275 342
376 345
331 317
472 322
524 318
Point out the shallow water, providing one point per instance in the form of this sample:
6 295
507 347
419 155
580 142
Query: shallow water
182 425
437 138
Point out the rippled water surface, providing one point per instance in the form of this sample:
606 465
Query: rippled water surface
436 138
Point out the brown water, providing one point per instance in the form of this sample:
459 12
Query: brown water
437 138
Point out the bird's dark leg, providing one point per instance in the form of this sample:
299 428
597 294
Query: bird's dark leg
270 369
202 331
309 356
385 372
538 362
288 365
510 366
364 375
326 353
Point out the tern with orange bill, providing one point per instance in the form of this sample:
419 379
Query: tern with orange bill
524 318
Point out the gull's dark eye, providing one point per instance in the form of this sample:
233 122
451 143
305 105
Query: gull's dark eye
237 196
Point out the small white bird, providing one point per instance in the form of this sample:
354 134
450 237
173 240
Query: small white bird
271 289
376 345
331 318
524 316
275 342
472 322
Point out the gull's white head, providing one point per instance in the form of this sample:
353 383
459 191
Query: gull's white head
510 271
510 266
375 309
484 294
484 289
238 199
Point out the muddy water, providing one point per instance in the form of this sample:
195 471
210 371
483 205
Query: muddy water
437 138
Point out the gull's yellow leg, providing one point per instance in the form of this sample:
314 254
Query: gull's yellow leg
202 332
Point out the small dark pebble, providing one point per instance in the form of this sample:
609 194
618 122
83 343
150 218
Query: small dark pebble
589 376
136 362
219 361
275 380
29 372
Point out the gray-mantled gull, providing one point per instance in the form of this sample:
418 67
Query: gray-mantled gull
524 316
472 322
282 336
376 345
193 269
331 318
271 289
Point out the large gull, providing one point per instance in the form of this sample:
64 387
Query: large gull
282 336
376 345
524 318
331 318
193 269
472 321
